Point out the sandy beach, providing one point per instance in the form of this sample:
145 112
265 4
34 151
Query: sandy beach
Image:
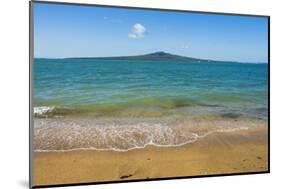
228 152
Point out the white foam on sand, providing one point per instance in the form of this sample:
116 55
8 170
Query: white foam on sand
68 135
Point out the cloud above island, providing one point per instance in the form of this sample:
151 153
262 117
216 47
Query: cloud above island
138 31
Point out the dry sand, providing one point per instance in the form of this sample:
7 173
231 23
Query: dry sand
217 153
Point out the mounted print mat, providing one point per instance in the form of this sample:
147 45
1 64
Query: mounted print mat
122 94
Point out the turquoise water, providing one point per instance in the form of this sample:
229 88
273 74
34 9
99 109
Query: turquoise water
150 88
122 105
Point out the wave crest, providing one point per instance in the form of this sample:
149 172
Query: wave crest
42 110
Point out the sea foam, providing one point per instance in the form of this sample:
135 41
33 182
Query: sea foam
41 110
68 135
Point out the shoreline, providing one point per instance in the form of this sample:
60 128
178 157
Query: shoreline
62 135
148 145
218 153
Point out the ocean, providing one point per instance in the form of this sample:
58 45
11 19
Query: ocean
127 104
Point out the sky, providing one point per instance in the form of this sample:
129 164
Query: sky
62 31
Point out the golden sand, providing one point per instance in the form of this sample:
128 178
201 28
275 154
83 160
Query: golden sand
218 153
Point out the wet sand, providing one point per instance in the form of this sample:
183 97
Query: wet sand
218 153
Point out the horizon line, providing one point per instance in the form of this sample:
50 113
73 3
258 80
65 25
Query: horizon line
120 56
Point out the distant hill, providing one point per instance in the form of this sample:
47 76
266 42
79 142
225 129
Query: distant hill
152 56
160 56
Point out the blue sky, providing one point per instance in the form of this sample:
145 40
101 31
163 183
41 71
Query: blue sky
86 31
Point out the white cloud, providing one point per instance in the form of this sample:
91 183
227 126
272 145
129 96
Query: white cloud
185 46
138 32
